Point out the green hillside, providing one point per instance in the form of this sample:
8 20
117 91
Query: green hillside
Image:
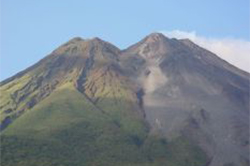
79 107
66 129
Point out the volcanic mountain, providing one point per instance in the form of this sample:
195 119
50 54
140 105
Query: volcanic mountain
159 102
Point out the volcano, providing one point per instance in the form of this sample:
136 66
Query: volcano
159 102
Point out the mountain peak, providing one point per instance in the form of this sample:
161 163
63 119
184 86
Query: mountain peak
157 34
95 39
74 40
156 37
106 47
152 47
77 39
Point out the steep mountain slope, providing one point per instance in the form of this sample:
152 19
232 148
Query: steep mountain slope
91 116
189 91
160 102
70 62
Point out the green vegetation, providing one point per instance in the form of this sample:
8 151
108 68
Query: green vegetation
66 129
9 105
79 110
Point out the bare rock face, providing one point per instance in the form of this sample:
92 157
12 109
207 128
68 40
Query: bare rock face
176 87
190 91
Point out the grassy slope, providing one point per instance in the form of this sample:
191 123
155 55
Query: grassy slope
113 94
7 102
66 129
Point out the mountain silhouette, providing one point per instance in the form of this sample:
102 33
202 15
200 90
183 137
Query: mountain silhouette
159 102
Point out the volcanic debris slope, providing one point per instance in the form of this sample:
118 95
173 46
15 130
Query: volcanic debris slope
159 102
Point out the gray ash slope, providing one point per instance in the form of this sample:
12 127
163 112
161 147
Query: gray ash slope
182 89
190 91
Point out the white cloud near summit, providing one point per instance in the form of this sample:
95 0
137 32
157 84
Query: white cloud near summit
234 51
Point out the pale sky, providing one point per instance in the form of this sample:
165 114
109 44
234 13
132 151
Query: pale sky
234 51
30 30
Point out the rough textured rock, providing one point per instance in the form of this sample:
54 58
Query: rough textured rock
177 87
190 91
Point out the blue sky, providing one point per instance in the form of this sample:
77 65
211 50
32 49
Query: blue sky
31 29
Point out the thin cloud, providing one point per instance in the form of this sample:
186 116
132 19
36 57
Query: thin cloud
235 51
